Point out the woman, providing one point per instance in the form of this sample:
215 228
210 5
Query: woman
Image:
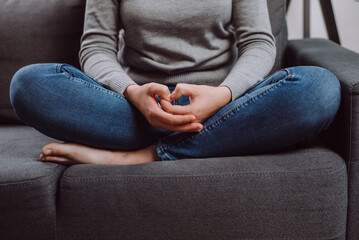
186 82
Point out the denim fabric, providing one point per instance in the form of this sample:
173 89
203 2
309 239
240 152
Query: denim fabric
289 106
62 102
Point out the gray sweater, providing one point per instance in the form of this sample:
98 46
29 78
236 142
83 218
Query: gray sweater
211 42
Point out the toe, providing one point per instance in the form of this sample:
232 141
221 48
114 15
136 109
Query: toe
47 149
54 149
60 160
75 152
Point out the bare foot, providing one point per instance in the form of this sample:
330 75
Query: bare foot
72 153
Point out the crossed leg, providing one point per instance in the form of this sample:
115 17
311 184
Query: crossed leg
97 126
285 108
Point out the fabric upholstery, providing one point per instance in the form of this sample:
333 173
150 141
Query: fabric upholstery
277 13
36 31
297 194
300 194
27 186
344 132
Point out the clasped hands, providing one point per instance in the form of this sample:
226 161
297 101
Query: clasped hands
204 102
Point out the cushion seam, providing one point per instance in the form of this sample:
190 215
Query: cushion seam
193 177
29 181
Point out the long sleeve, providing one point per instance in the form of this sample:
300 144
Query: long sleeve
99 45
255 43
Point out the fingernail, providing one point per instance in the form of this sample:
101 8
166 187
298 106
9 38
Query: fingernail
48 151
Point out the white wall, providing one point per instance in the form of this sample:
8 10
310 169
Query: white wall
346 14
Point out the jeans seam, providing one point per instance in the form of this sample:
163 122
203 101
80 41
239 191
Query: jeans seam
161 153
97 88
246 102
58 69
225 115
289 73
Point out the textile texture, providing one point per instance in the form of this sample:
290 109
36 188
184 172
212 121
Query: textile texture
27 186
62 102
299 194
227 43
344 132
36 31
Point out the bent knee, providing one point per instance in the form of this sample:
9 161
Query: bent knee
317 92
323 94
24 85
327 92
25 77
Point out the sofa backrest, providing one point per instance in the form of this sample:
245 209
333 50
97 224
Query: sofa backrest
37 31
277 13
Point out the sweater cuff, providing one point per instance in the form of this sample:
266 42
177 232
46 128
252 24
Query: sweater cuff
238 84
119 83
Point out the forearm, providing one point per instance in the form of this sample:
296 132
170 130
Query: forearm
252 66
106 70
255 43
99 45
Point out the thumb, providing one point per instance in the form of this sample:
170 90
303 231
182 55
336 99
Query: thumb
160 90
182 89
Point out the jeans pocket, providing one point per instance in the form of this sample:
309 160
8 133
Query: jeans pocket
64 69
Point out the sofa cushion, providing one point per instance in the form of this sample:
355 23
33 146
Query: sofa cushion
35 31
27 186
298 194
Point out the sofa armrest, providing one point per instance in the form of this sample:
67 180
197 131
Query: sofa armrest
343 135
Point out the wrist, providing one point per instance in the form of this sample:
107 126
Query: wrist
225 94
129 90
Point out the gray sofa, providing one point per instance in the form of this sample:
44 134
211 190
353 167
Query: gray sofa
310 191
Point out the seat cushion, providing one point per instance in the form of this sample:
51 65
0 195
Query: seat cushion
27 186
297 194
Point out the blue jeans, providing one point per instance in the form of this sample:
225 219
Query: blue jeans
287 107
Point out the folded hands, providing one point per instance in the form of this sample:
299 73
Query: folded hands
204 102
